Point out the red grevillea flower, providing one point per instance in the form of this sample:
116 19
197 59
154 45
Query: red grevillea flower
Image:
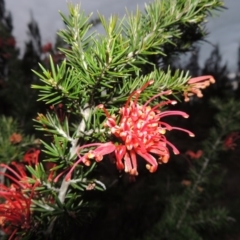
140 131
230 140
15 213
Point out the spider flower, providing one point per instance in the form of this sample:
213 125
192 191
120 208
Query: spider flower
139 131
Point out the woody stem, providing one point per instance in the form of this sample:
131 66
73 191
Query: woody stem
65 184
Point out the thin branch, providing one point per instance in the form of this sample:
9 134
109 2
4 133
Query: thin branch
65 184
197 182
81 128
2 170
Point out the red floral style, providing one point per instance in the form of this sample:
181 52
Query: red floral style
15 207
140 131
31 156
196 85
15 211
18 177
49 168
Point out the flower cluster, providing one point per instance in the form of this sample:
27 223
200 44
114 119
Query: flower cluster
139 131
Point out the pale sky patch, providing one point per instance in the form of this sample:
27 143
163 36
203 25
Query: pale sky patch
224 29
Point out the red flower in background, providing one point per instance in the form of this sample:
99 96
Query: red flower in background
31 156
194 155
11 42
47 48
230 140
15 211
15 206
15 138
140 131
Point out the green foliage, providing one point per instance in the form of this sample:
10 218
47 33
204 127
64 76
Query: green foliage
107 69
